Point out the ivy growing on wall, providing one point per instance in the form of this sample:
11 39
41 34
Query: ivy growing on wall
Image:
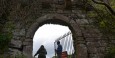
5 36
105 21
20 56
111 52
4 41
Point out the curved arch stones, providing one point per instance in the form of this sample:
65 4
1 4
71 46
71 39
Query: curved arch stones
73 26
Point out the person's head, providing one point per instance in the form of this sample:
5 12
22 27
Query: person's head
42 46
58 42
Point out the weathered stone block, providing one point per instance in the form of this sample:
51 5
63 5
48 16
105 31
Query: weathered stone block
27 51
101 50
93 56
80 39
92 47
16 43
19 32
82 51
113 41
102 43
19 25
15 53
82 21
89 31
92 39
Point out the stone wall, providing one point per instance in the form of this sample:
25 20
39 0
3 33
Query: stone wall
88 41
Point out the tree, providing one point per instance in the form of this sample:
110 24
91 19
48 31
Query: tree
103 15
106 5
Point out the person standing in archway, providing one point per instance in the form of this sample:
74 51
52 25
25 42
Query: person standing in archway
42 52
59 50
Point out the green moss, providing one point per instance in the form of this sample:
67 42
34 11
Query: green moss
4 41
103 19
10 26
20 56
111 52
1 56
6 37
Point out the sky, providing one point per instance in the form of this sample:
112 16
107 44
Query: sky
46 35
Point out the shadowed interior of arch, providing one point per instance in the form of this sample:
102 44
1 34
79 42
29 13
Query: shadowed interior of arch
48 34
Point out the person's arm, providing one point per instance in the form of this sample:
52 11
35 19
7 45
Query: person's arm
45 51
37 52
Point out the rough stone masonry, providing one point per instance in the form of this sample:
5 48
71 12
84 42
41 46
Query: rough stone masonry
30 15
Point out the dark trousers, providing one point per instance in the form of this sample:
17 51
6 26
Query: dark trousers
41 56
58 55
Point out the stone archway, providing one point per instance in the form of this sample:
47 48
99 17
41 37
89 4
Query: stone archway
55 19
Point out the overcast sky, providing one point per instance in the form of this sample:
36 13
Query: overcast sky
46 35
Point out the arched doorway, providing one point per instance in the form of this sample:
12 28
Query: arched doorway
54 19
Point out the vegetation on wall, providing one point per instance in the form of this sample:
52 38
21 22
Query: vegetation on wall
20 56
4 41
102 11
5 35
104 19
111 52
103 14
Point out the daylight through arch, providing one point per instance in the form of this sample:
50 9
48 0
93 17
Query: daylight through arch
54 31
